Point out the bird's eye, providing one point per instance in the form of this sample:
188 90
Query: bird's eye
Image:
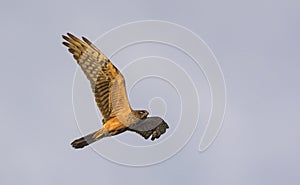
141 112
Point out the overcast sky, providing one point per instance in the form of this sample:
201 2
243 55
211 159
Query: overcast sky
256 44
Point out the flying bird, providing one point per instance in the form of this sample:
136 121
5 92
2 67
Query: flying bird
108 86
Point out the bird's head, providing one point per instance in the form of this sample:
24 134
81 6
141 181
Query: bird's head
142 113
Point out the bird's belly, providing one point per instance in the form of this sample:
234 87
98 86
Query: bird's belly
114 126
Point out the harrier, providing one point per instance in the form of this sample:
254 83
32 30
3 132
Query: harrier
108 86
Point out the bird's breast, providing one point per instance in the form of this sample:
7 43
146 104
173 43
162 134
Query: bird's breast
115 126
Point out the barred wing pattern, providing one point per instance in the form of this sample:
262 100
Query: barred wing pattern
106 81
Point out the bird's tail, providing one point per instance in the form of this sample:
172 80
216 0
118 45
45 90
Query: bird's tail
90 138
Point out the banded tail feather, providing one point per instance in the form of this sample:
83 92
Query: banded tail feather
90 138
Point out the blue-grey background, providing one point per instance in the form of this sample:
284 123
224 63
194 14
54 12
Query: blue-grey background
257 46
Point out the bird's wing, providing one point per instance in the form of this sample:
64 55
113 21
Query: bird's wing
106 81
154 126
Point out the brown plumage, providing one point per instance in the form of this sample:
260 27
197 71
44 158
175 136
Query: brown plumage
108 86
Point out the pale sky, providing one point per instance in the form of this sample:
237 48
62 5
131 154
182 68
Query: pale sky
255 42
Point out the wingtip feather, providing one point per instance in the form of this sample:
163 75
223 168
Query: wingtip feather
86 40
66 44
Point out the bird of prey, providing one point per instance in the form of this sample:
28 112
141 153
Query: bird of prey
108 86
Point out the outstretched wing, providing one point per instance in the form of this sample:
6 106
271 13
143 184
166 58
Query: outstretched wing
106 81
154 126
